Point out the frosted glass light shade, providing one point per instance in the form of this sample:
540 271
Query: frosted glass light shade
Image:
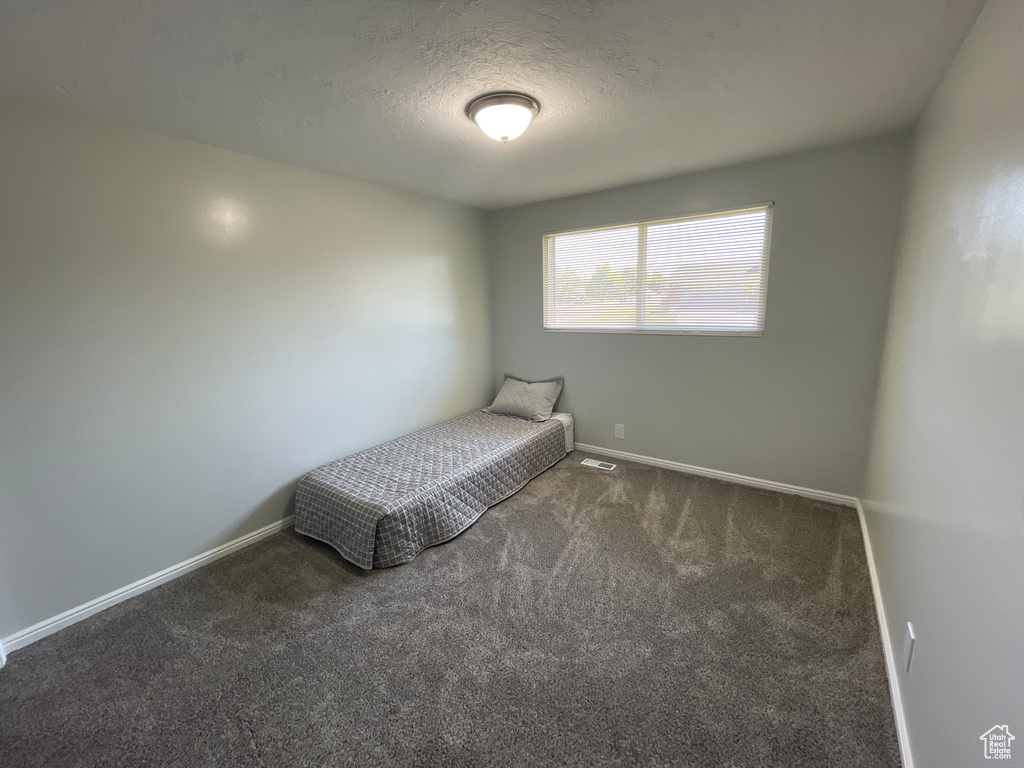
503 116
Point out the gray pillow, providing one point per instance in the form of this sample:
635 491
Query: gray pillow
533 400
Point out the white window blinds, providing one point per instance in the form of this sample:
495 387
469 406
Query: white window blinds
699 274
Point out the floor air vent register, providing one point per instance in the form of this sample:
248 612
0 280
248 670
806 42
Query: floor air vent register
598 464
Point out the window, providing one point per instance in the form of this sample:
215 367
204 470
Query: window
705 274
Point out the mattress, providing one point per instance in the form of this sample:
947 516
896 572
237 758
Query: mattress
383 506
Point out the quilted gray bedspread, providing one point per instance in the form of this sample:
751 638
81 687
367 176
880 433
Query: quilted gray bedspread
384 505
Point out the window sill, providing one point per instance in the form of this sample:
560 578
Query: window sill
656 332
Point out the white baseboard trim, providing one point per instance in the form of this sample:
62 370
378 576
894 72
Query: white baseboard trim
3 656
66 619
770 485
891 665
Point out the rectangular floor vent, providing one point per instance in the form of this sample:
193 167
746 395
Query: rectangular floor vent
598 464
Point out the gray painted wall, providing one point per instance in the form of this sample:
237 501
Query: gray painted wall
794 406
946 482
185 331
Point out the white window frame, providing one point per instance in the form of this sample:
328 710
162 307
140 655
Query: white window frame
549 276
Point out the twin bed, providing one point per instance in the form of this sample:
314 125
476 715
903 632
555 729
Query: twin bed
383 506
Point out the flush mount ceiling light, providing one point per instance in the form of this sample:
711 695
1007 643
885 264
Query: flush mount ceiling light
503 116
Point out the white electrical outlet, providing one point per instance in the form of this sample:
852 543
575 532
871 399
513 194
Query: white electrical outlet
908 646
620 431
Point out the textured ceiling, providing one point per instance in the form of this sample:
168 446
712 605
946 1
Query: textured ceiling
376 89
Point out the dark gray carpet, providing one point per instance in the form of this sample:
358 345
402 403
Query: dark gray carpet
641 617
